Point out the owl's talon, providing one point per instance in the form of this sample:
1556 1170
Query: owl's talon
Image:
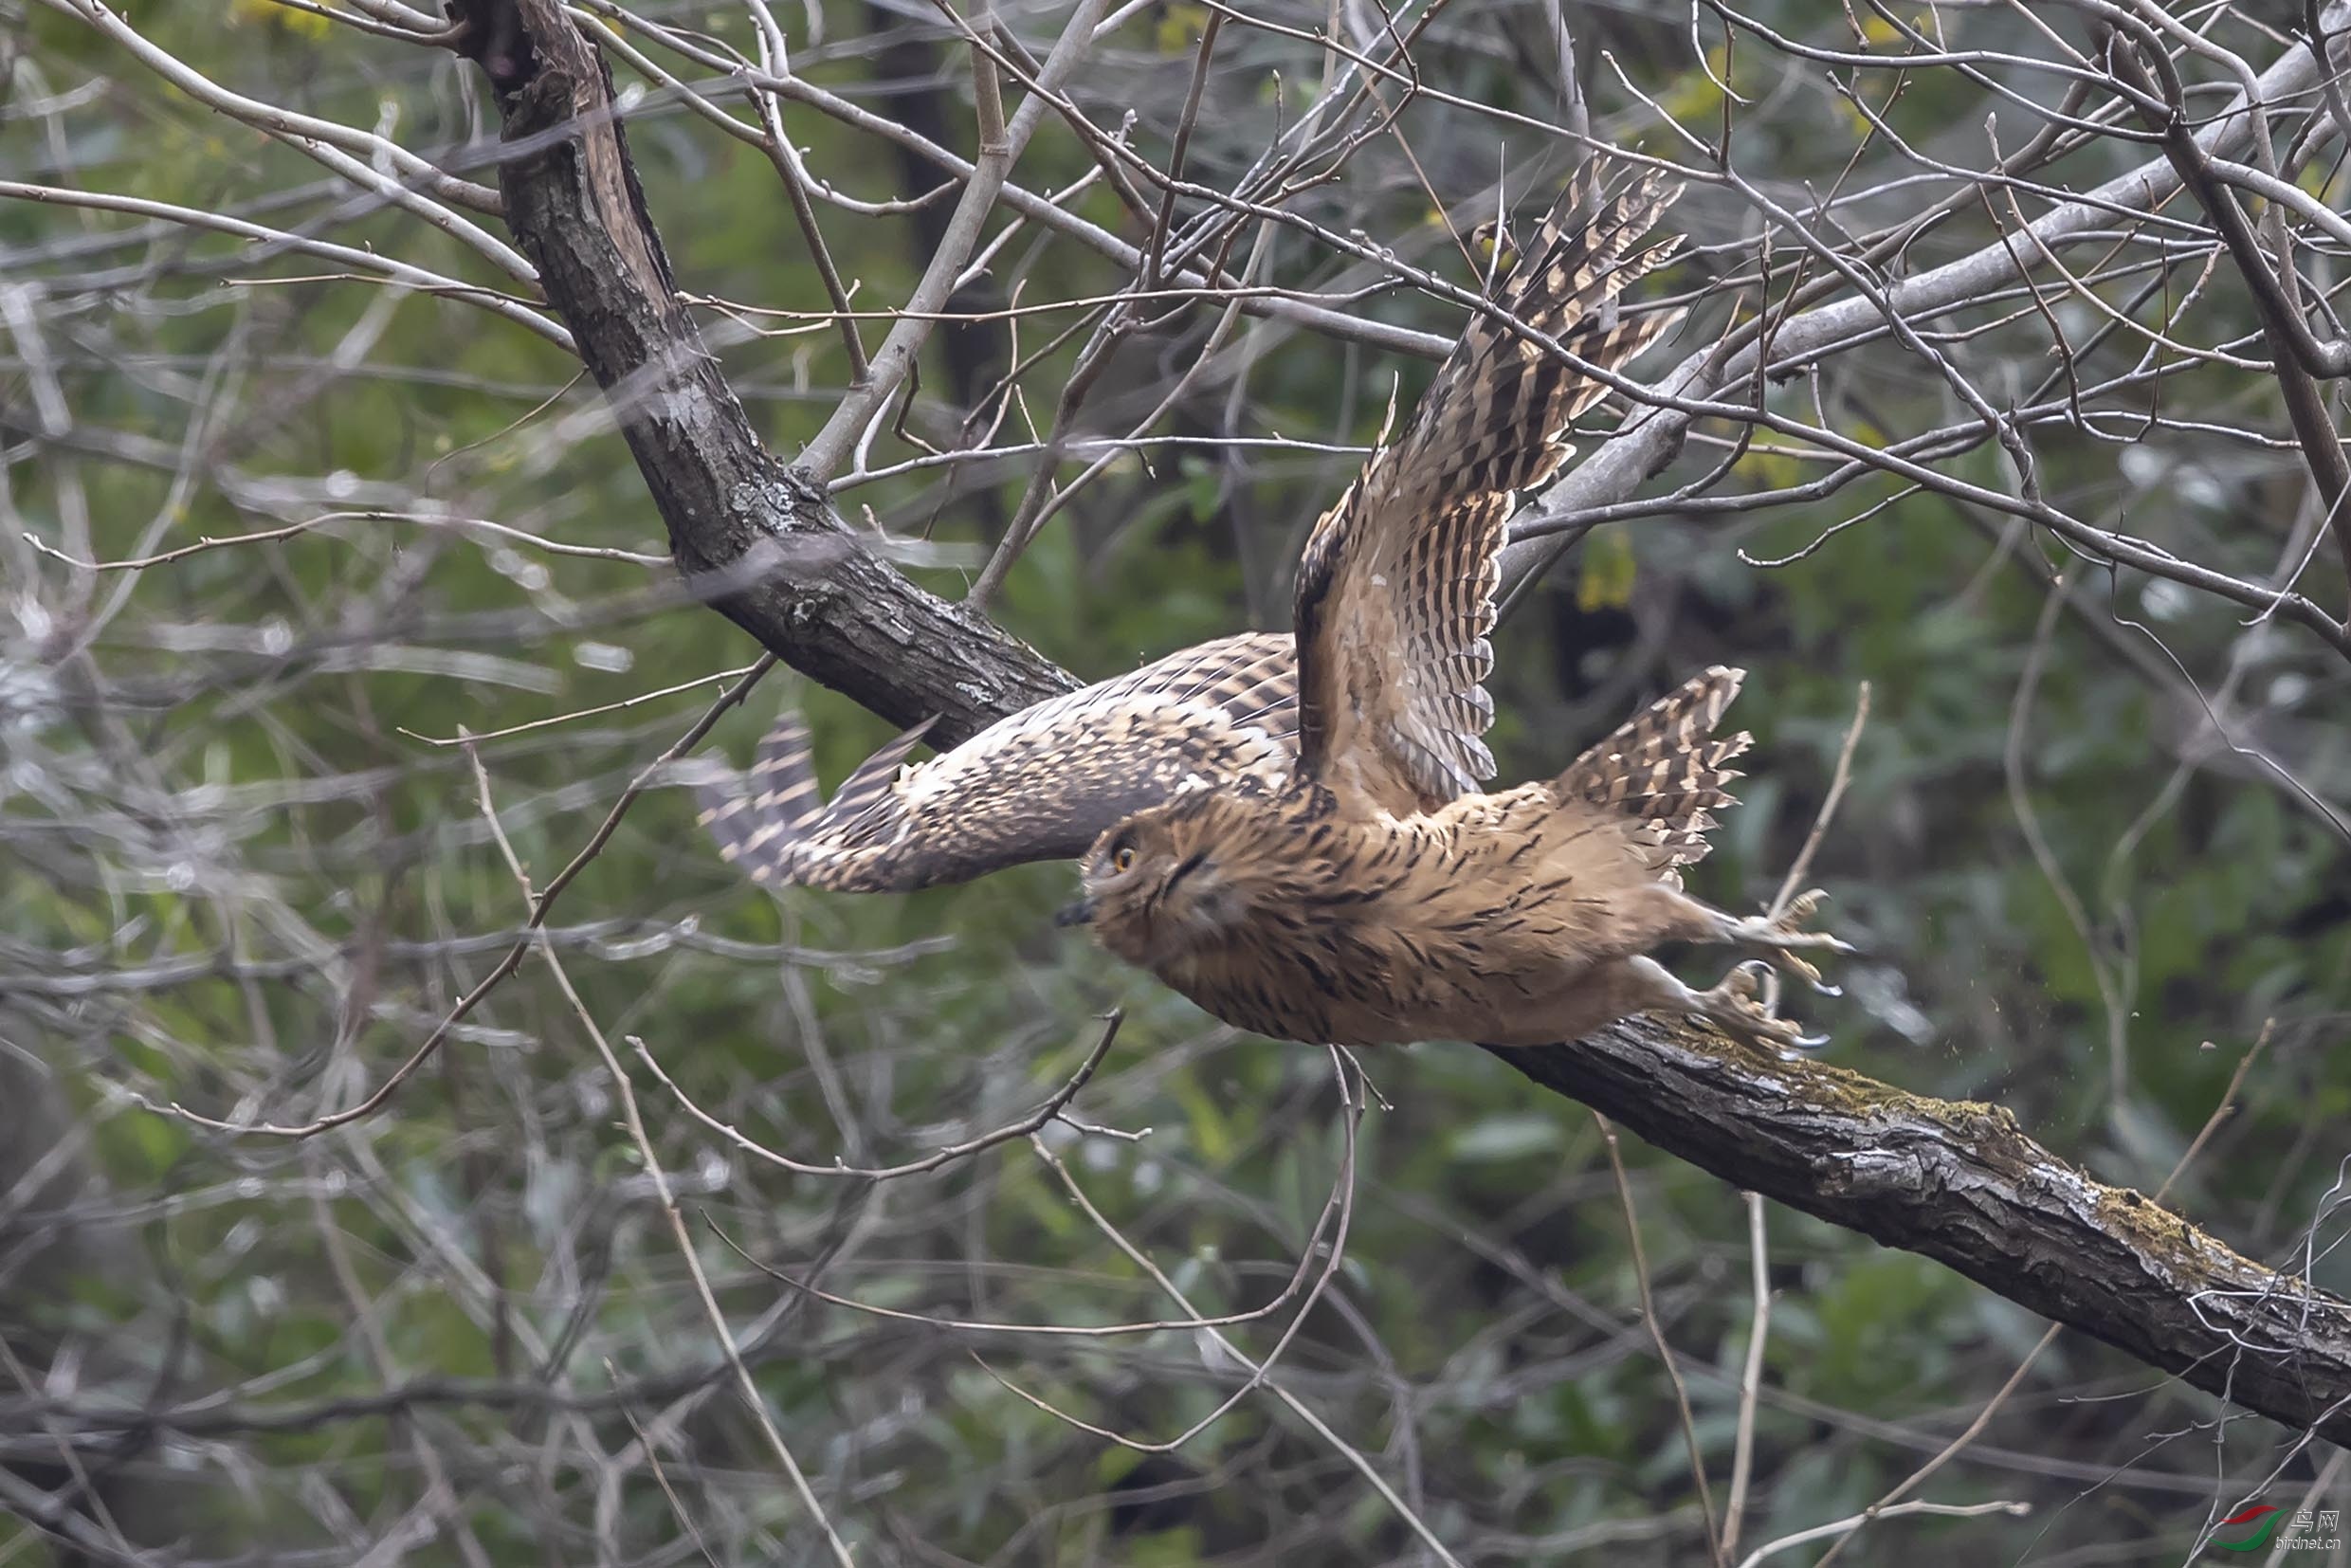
1733 1005
1749 975
1802 968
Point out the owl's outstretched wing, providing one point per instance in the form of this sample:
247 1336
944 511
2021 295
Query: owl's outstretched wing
1040 784
1395 589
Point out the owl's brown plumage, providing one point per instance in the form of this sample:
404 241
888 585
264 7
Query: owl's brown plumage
1517 919
1661 770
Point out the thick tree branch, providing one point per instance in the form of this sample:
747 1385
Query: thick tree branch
1956 1182
758 535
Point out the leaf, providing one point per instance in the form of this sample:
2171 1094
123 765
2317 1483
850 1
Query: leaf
1606 582
1179 28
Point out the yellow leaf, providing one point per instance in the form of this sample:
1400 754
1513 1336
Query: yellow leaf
1606 582
1180 28
286 19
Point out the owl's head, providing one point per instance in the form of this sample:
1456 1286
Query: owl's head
1161 884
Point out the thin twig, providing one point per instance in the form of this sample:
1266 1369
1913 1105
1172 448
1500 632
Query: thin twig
1844 1528
1055 1104
775 57
468 738
752 1401
1715 1549
1801 867
540 905
1257 1370
676 1220
1750 1377
892 363
1154 251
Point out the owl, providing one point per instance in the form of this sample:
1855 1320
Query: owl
1290 830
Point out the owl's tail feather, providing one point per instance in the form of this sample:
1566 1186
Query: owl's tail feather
1665 768
777 828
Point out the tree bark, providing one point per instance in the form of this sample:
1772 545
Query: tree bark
1957 1182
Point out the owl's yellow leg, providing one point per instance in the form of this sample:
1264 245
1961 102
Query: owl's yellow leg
1672 914
1780 935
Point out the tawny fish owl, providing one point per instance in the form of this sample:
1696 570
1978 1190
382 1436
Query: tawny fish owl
1300 847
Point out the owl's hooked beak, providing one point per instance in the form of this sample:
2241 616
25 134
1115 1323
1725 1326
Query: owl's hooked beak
1080 913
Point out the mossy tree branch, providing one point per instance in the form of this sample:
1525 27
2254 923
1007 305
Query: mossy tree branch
1962 1183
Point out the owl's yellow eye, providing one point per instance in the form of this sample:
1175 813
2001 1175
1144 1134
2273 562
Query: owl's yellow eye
1123 858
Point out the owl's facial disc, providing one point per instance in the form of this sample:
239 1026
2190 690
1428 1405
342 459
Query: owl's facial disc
1151 894
1114 867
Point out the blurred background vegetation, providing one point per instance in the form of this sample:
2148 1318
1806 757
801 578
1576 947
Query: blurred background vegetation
249 871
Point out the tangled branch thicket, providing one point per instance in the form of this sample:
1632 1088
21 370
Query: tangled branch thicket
416 1146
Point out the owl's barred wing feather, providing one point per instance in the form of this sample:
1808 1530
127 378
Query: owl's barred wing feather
1395 589
1040 784
754 816
778 819
1663 774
